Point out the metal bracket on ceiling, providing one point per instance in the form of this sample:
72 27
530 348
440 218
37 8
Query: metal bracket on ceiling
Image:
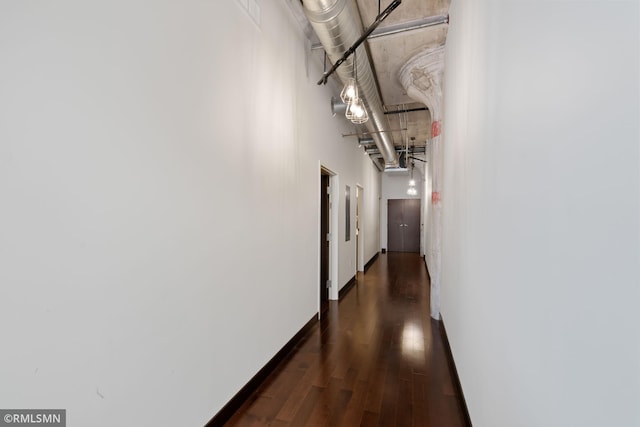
430 21
406 110
344 135
381 17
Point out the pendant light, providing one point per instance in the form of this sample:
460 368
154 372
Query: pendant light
411 191
356 110
349 92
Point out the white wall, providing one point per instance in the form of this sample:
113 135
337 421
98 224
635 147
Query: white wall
394 186
370 208
159 198
362 170
541 239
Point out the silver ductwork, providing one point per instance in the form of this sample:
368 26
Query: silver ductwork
338 25
337 106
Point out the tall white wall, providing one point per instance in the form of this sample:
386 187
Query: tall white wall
361 170
371 210
159 200
541 239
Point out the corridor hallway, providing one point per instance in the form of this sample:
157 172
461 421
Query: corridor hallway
375 359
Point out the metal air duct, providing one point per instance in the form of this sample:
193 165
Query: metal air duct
338 25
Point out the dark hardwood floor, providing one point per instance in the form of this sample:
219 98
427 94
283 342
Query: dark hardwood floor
376 359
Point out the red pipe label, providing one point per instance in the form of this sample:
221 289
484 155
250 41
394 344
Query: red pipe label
436 128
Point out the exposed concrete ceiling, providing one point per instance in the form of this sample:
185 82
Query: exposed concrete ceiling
389 52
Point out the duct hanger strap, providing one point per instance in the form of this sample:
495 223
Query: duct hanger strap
406 110
381 17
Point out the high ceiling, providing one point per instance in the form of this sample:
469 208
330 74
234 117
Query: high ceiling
413 27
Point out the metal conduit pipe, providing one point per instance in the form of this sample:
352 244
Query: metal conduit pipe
338 25
366 141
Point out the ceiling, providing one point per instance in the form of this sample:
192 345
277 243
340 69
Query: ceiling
413 27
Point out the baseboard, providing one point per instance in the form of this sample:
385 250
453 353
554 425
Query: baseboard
351 283
371 261
454 373
346 288
241 397
427 267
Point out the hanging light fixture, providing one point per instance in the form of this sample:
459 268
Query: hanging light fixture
349 92
411 191
356 110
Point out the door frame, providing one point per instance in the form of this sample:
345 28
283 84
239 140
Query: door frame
359 227
334 207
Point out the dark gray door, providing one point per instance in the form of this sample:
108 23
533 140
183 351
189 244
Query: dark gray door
403 225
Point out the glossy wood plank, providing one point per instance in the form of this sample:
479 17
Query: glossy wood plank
375 359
